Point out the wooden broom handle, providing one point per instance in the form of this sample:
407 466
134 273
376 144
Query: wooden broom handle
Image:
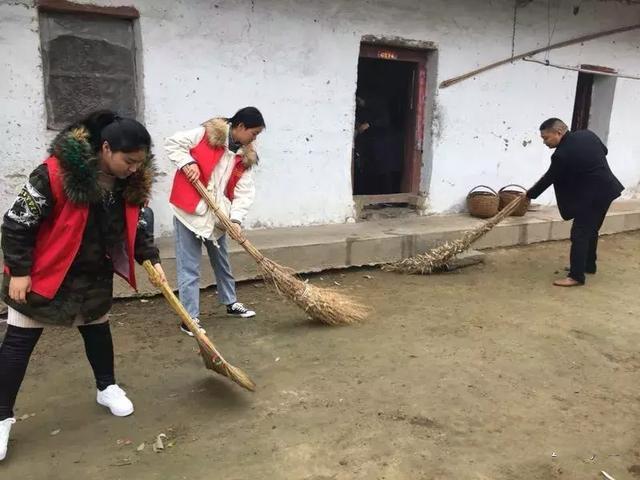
177 306
227 223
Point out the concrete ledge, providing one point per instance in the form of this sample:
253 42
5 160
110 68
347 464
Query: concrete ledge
317 248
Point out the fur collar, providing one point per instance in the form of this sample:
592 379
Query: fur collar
79 166
217 133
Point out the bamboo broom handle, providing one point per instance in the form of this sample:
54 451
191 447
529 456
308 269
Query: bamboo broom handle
474 235
228 224
175 303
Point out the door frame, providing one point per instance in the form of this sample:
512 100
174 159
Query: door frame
414 140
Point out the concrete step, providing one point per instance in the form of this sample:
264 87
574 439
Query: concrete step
317 248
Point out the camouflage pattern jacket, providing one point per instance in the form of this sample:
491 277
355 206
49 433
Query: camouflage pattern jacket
87 288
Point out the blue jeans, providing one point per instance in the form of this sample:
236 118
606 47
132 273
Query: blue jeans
188 256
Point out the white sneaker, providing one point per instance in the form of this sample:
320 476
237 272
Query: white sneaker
116 400
186 330
5 428
239 310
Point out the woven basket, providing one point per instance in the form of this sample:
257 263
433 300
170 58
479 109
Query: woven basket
482 204
507 195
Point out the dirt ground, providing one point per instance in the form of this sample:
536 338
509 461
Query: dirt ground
484 373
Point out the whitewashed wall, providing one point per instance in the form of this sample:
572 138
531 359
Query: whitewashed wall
297 62
23 135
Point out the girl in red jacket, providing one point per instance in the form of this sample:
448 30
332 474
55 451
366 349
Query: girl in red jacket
74 224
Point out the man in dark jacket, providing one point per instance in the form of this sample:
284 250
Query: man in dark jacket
584 187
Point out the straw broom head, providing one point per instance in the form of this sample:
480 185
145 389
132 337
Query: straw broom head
214 361
210 355
322 304
327 306
439 257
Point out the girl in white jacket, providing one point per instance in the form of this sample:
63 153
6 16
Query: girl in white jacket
220 154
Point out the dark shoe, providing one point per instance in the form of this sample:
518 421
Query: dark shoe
239 310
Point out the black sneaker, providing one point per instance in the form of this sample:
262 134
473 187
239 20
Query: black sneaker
186 330
239 310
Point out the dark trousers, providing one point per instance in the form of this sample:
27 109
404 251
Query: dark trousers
584 240
19 343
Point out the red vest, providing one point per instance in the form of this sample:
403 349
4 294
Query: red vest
60 235
184 195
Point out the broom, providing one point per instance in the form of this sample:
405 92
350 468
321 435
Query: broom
438 258
325 305
210 356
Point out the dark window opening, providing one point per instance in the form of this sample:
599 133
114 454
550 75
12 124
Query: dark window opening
89 62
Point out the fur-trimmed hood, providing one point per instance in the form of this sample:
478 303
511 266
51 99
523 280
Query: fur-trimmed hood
79 166
217 134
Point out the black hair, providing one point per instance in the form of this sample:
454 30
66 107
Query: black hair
250 117
121 133
554 124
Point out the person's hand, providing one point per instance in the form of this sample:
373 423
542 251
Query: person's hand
363 127
19 287
234 230
160 278
192 172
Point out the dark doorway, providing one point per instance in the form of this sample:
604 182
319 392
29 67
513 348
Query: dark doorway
382 105
595 93
389 124
582 104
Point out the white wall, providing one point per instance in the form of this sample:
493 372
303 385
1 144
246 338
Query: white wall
23 138
507 104
297 62
602 97
624 140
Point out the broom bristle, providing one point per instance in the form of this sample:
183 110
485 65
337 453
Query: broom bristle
210 355
214 361
324 305
241 378
439 257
